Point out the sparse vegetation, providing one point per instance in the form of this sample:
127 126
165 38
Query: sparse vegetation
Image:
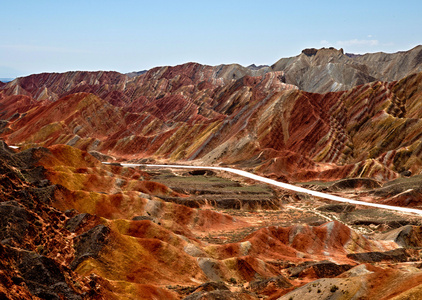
333 289
40 249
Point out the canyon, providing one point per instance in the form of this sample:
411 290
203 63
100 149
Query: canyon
349 125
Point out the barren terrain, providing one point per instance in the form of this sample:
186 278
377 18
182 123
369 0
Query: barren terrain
75 223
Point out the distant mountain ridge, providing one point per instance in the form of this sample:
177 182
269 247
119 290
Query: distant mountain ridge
329 70
314 70
225 114
52 86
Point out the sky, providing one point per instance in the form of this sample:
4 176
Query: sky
125 36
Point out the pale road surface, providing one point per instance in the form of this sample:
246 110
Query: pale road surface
285 186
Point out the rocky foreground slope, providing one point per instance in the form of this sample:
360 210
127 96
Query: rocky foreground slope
73 228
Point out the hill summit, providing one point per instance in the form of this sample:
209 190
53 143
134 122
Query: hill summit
328 69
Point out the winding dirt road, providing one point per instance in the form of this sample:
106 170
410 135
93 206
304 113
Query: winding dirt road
285 186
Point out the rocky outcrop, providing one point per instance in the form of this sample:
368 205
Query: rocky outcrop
15 222
89 244
396 255
323 269
44 277
113 85
34 247
407 236
310 51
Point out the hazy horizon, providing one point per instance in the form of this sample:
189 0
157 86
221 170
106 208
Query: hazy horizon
130 36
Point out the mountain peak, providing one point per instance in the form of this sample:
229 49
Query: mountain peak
330 69
314 51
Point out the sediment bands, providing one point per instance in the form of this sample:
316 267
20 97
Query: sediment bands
72 227
189 113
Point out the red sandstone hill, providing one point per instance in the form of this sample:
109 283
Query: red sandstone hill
187 113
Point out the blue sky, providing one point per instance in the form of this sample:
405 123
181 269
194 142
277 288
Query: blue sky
58 36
